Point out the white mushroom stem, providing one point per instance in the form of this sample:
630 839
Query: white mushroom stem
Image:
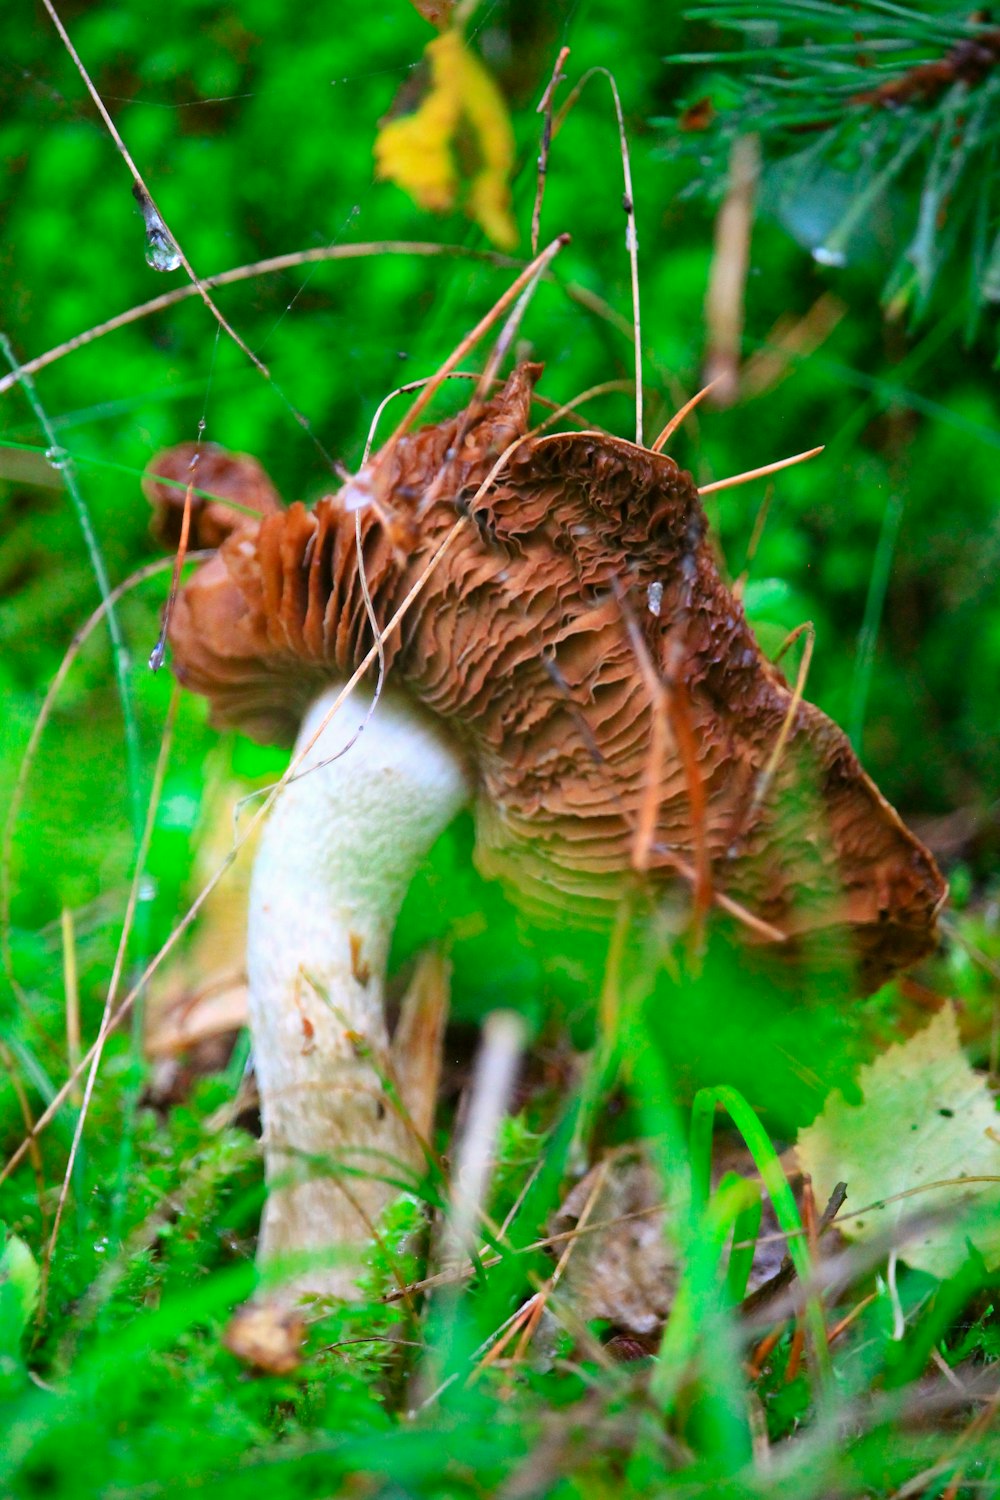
337 855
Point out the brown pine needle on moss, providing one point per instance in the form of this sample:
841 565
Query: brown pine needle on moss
678 417
782 463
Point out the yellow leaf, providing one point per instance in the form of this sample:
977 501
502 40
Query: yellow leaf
457 145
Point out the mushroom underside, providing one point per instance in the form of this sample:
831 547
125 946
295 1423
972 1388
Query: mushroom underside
578 643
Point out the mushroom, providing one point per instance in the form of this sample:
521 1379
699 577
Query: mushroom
575 667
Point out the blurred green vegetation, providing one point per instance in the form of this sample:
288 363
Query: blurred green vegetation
253 125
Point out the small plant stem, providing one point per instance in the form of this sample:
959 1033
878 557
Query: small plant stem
492 1086
726 297
71 992
544 108
760 521
541 1299
782 1198
628 204
151 570
97 1051
9 1062
795 1352
60 460
491 1091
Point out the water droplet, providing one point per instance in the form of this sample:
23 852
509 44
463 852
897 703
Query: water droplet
147 888
57 457
825 255
654 598
178 811
161 250
357 492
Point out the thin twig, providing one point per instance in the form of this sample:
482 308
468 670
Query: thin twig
851 1317
785 1273
530 273
544 108
542 1297
248 272
158 652
515 1325
71 991
146 197
497 1332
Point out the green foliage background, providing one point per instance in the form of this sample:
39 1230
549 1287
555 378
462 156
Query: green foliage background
253 124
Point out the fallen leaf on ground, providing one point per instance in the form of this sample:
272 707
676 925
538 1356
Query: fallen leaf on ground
925 1117
626 1271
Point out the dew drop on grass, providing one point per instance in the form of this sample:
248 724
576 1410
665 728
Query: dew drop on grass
826 256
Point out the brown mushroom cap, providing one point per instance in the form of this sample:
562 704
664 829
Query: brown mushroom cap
233 477
521 642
